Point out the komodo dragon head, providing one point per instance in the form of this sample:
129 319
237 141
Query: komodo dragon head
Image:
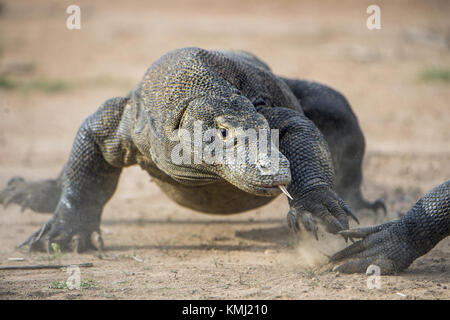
202 129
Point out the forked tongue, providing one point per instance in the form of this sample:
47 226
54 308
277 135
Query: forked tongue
284 190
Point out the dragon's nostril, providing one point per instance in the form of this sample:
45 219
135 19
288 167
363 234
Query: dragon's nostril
264 164
224 132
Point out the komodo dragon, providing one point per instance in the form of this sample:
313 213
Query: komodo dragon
319 136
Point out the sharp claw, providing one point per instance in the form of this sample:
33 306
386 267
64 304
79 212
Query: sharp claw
354 217
348 251
29 239
379 204
76 244
7 201
23 206
349 211
35 237
97 241
314 231
294 226
314 228
26 203
308 222
345 238
284 190
23 243
336 268
362 232
344 233
350 234
43 230
49 247
292 218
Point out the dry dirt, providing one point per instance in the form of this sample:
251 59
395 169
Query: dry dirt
156 249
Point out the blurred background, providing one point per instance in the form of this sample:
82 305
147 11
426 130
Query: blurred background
397 80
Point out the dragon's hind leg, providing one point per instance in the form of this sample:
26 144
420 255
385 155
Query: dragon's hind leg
40 196
332 114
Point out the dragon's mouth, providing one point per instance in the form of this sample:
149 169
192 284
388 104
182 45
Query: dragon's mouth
194 177
267 191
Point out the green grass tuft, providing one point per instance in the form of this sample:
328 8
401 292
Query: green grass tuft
8 83
44 85
435 75
84 284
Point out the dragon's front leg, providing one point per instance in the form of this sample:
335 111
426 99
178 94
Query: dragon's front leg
88 181
312 172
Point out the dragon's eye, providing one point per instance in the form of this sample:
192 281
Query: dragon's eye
223 132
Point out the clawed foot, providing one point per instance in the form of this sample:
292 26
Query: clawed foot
41 196
324 204
15 192
385 246
74 236
377 205
354 197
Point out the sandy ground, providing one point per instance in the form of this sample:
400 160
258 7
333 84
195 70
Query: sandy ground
158 250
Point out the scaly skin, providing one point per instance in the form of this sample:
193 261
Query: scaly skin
227 91
393 246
